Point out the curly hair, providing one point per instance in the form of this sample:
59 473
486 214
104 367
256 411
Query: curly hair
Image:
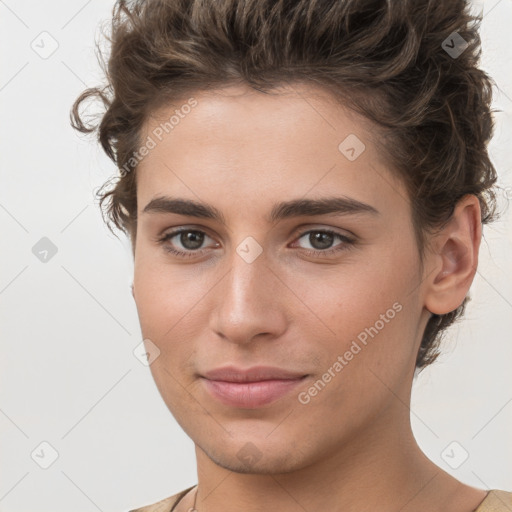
410 67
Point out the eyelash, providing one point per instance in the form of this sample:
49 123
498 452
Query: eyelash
347 244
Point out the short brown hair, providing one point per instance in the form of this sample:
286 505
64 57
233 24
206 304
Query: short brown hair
389 61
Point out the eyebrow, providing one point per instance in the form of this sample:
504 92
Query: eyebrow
280 211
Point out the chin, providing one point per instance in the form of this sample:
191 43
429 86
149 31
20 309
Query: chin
277 464
251 455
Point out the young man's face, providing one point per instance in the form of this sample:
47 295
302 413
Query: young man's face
250 291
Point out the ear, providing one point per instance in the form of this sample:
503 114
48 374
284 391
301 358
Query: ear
133 295
454 258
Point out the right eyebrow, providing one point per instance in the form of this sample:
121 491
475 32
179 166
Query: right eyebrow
187 207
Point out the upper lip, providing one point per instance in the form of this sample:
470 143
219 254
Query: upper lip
254 374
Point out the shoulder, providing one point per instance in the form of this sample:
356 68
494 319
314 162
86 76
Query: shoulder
496 501
164 505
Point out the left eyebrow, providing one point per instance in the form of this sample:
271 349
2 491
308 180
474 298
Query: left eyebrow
323 206
283 210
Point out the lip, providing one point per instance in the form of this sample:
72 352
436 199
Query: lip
250 388
254 374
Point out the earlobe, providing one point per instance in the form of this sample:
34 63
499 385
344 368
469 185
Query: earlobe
455 258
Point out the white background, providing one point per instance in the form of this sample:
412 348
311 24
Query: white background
69 326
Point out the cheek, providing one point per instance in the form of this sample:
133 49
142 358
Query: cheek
151 300
173 314
367 316
348 299
167 305
164 296
364 368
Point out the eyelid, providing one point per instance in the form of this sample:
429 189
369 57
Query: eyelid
178 230
298 232
347 242
306 228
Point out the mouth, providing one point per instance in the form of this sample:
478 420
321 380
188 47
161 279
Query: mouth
251 388
250 395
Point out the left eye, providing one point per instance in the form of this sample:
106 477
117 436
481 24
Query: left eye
321 241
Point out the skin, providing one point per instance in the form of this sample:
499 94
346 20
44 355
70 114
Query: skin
351 447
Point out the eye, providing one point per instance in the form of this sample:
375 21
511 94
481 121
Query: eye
321 241
190 239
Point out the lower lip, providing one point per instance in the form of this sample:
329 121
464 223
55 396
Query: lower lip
250 395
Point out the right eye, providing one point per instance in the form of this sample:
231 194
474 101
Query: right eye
190 240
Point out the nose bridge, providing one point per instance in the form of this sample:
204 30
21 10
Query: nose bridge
247 303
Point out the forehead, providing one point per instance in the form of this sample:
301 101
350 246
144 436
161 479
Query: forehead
288 114
260 146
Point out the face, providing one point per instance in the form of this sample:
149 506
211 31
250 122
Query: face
328 291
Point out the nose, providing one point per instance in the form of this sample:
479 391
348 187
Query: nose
249 302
